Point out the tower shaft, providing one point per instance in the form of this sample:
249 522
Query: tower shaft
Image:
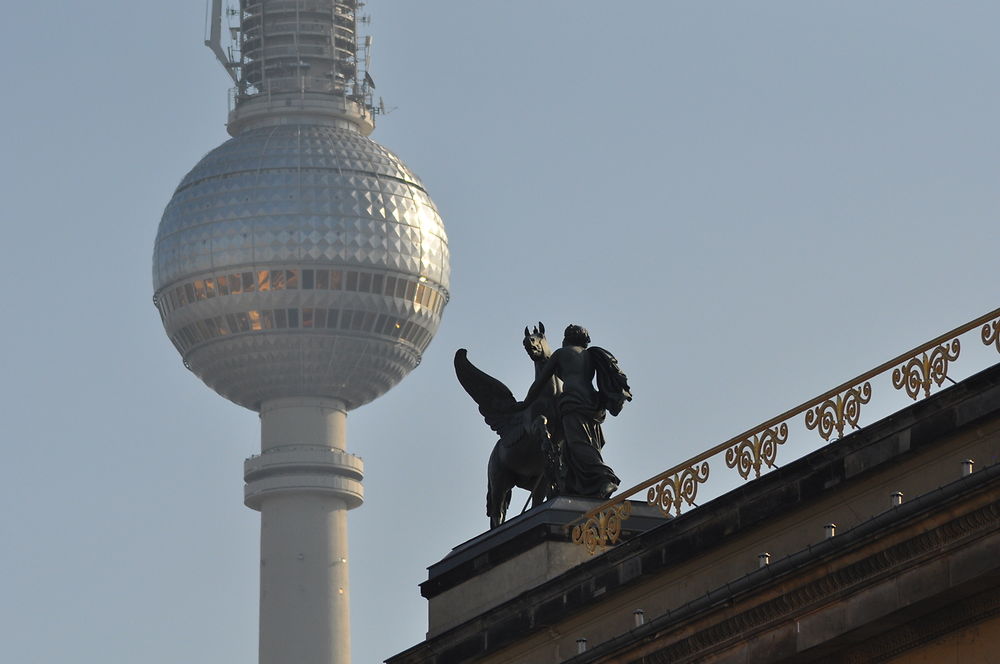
303 483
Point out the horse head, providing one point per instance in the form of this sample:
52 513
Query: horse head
536 344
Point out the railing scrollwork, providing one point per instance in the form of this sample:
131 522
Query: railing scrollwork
991 334
679 488
920 373
838 411
762 449
916 372
603 528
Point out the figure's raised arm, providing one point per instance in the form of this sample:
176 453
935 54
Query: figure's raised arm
544 375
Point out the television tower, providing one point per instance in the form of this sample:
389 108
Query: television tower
300 270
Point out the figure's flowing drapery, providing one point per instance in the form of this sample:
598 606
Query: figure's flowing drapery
582 412
586 472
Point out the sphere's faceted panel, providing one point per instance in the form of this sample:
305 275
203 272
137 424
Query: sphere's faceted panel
301 260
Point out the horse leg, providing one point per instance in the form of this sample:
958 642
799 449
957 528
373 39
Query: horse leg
541 491
498 489
497 501
549 458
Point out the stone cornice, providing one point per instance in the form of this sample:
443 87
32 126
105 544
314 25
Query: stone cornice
831 587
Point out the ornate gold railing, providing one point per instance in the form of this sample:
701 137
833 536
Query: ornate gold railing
915 372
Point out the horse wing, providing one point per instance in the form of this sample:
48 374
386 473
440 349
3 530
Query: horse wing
496 402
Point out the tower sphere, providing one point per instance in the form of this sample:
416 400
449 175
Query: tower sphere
301 260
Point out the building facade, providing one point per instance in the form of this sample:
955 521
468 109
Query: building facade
883 546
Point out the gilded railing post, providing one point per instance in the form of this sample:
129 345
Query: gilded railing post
749 454
991 334
838 411
681 487
604 528
929 369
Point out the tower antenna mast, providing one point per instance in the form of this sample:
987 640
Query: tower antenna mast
214 41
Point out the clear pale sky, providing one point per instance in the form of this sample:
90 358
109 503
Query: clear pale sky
747 202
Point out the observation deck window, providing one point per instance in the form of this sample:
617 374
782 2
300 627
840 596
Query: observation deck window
332 318
422 295
312 318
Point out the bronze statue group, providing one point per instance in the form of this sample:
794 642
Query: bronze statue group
550 443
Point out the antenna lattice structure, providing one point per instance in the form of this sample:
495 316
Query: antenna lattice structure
301 50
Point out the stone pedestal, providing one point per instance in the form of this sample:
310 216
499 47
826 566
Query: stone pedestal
519 555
